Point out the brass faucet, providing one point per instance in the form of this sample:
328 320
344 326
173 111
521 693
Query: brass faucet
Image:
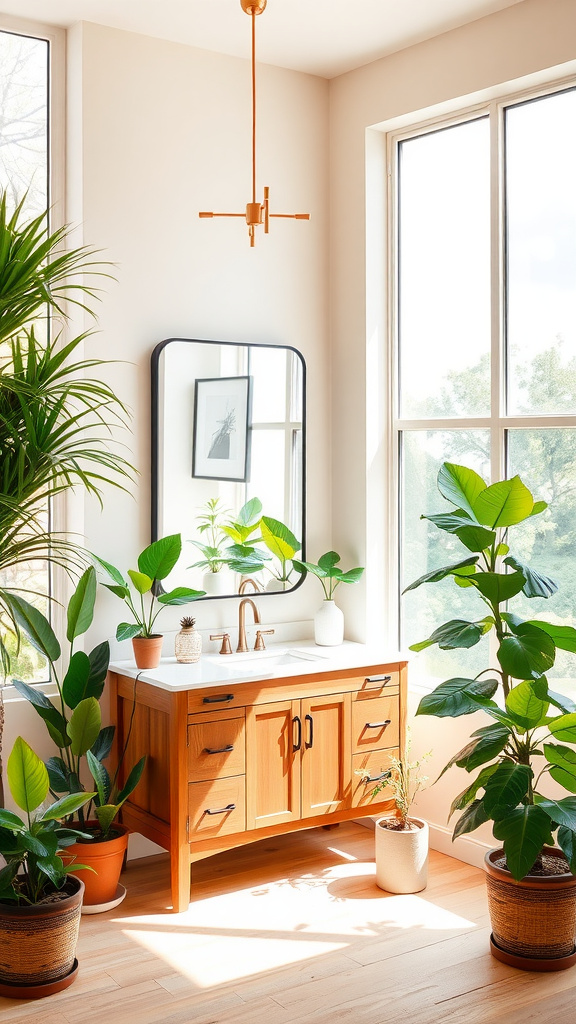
242 645
248 581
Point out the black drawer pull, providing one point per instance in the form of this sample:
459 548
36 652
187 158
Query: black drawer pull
310 740
218 700
378 679
377 778
378 725
219 750
296 746
222 810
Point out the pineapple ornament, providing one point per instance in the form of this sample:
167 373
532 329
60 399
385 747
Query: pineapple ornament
188 642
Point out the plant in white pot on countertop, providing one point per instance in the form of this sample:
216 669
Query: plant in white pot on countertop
155 563
212 522
329 620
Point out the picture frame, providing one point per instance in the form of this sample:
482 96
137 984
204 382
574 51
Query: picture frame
222 428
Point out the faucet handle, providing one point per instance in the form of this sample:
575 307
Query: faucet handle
260 645
225 638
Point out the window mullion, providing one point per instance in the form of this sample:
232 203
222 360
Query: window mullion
497 267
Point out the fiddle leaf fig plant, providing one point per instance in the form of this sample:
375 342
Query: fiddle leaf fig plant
533 729
328 573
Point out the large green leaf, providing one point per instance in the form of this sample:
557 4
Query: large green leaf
27 777
474 816
81 605
127 630
563 636
141 581
536 584
351 575
101 778
58 775
99 659
454 634
523 832
35 625
84 725
528 654
439 574
564 727
503 504
561 812
567 843
278 538
523 703
66 806
112 571
103 745
563 761
498 587
11 821
75 684
461 486
506 788
450 522
250 513
328 561
467 795
181 595
55 722
485 745
132 781
455 697
158 560
476 538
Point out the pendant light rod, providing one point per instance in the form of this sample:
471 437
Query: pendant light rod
256 213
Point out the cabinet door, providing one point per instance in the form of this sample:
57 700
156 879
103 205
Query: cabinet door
273 750
326 754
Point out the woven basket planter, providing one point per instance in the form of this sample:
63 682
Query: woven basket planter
533 920
38 943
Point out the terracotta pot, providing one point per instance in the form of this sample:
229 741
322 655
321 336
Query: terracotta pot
106 858
38 944
533 920
401 857
147 650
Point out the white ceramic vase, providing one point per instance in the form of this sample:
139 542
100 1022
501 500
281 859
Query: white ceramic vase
402 857
329 625
218 584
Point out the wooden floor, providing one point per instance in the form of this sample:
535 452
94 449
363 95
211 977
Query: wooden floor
294 930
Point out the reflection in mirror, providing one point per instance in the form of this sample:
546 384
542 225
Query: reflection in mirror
228 451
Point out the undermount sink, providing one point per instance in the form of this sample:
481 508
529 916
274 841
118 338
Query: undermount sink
268 659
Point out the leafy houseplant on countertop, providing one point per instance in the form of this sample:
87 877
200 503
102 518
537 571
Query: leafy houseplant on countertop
39 902
531 884
212 520
75 726
155 563
329 620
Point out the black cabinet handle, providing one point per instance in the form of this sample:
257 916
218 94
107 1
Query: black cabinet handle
378 679
296 746
222 810
377 778
378 725
218 700
219 750
310 740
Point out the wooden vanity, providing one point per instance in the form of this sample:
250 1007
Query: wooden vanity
234 762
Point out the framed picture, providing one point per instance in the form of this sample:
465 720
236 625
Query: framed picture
221 441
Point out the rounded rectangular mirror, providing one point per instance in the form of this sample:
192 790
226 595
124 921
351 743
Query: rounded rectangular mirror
228 462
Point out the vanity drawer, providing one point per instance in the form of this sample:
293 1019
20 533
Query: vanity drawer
378 684
374 763
216 808
375 724
220 698
216 745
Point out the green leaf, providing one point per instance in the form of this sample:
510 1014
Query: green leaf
536 585
114 573
476 538
132 781
561 701
58 775
461 486
101 778
564 727
250 513
106 815
121 592
525 705
567 843
126 630
439 574
158 560
539 506
351 576
523 832
328 561
563 760
454 634
75 682
278 538
498 587
48 712
54 868
35 625
11 821
181 595
81 605
561 812
506 788
485 745
496 712
503 504
454 697
103 745
310 567
84 725
474 816
563 636
99 659
450 522
467 795
27 777
528 654
66 806
141 581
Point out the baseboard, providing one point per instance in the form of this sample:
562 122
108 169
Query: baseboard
465 848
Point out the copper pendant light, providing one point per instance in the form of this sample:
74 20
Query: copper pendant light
256 213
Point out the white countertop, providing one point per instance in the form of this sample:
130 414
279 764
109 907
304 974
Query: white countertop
278 661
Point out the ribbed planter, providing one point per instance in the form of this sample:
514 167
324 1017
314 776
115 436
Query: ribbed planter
38 945
106 858
401 856
533 920
147 650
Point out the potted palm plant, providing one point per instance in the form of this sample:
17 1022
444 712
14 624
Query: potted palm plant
40 901
155 563
532 732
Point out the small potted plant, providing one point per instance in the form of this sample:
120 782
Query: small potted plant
532 732
401 838
155 563
40 901
212 520
75 725
329 620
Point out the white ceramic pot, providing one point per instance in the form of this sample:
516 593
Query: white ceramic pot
402 857
275 586
329 625
218 584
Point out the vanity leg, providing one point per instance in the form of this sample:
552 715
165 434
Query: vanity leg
328 828
180 879
179 846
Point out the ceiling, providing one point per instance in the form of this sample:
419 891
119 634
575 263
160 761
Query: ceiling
321 37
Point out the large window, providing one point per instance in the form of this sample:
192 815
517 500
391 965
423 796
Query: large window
485 329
